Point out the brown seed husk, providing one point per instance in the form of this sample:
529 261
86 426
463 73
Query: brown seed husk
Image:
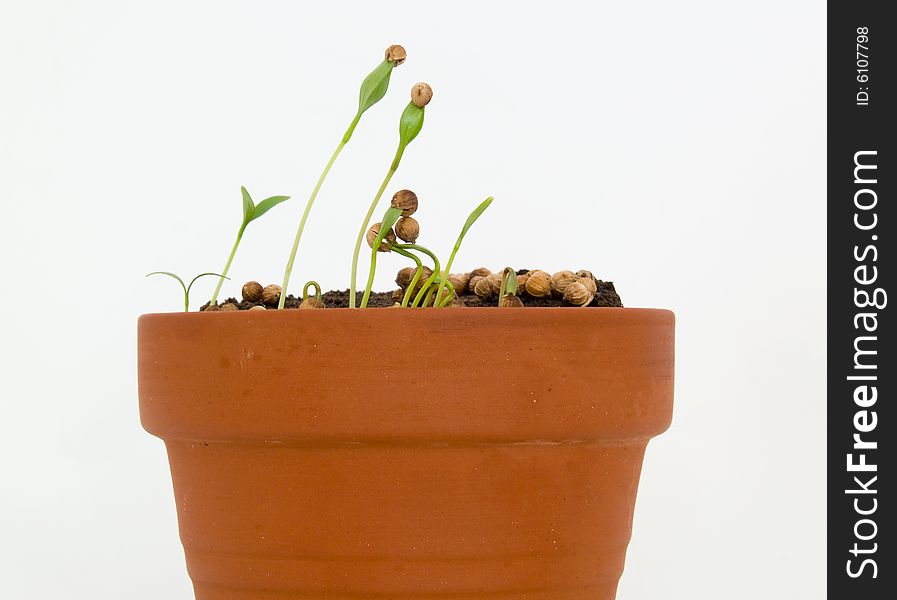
510 302
421 94
538 284
258 307
459 282
310 303
252 291
483 287
577 294
228 306
472 282
521 283
395 54
388 240
406 200
271 294
495 280
397 295
211 308
481 272
404 277
587 279
407 229
560 281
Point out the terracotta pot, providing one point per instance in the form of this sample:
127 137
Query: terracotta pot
426 454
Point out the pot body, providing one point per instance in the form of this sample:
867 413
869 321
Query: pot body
385 454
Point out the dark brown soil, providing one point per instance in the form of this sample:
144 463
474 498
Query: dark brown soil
606 296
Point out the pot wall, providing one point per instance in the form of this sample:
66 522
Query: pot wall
459 453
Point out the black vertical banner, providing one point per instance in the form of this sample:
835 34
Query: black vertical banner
862 367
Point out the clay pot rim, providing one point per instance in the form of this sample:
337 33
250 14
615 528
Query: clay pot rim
449 313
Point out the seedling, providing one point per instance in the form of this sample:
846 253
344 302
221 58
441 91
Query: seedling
383 229
186 288
373 88
410 124
314 301
507 293
251 212
477 212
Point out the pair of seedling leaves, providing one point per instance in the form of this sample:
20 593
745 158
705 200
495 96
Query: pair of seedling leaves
251 212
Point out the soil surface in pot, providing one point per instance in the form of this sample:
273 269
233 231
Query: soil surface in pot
605 296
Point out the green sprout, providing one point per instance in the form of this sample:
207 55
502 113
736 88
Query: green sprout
186 288
251 212
410 125
389 219
373 88
507 292
477 212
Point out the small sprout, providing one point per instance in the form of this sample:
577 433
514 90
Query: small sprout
251 212
560 281
410 124
483 287
507 295
258 307
228 307
252 291
407 229
406 200
373 88
271 294
185 287
577 294
311 301
421 94
538 284
395 54
471 219
386 241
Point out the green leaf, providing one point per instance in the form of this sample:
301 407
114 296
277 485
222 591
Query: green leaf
410 123
390 217
374 86
479 210
172 275
266 205
192 281
248 206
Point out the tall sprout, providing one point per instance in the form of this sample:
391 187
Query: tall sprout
373 88
410 125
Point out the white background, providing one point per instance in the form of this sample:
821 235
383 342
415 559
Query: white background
676 148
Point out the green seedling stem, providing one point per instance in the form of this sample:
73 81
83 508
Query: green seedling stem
186 288
251 212
373 88
420 269
410 124
479 210
389 219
